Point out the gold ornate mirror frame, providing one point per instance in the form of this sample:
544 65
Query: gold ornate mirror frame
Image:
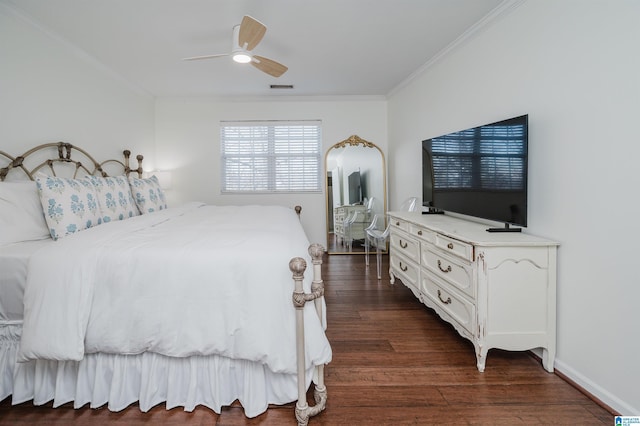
352 153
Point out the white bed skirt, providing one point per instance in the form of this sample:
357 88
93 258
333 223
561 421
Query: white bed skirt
148 378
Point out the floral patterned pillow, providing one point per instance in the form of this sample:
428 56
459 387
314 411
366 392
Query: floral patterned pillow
114 197
147 194
69 205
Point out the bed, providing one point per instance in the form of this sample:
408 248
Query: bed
127 300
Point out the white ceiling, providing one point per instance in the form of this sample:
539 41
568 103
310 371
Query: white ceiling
332 47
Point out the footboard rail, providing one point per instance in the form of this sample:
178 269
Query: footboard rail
297 265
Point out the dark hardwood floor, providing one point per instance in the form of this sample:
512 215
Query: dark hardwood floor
394 363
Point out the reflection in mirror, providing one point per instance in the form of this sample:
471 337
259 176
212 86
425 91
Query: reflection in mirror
355 190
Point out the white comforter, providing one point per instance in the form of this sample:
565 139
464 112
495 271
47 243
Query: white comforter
193 280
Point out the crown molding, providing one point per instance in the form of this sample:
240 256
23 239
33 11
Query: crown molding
489 19
278 98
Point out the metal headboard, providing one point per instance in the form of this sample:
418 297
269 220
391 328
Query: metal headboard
73 159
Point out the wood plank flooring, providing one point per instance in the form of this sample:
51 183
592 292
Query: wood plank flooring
394 363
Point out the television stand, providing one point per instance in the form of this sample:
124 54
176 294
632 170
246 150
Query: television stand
432 210
506 228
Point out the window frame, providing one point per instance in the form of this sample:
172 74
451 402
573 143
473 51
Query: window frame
266 163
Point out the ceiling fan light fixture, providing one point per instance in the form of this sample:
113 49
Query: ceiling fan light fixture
241 57
246 37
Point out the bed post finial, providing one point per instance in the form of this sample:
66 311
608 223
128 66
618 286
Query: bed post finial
316 251
139 157
127 168
298 265
126 153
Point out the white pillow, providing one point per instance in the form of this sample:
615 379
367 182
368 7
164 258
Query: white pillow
69 205
21 217
147 194
114 197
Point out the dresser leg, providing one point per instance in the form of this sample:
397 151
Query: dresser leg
481 358
548 357
392 279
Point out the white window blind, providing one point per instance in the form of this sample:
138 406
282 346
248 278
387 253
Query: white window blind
275 156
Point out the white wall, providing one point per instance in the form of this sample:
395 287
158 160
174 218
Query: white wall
573 66
50 91
188 142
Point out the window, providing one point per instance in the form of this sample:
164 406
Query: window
275 156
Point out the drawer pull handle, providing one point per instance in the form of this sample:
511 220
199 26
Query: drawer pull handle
419 232
397 223
404 268
403 245
446 302
450 246
448 269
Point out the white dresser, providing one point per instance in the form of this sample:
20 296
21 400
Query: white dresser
357 229
496 289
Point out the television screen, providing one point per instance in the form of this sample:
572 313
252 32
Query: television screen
480 172
355 188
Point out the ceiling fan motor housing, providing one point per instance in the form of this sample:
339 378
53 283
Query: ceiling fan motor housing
238 52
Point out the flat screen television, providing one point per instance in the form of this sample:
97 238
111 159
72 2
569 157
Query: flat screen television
355 188
479 172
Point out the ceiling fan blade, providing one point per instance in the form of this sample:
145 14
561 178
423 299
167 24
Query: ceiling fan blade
269 66
197 58
251 32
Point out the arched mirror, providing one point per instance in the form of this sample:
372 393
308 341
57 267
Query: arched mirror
356 189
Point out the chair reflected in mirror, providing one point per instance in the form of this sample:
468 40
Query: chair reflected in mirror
352 224
371 209
377 233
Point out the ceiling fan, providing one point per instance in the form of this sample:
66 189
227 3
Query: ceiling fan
246 37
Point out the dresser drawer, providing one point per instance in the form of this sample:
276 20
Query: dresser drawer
400 224
422 234
450 301
455 271
407 271
404 245
454 247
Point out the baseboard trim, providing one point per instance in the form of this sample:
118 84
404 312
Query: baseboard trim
575 384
